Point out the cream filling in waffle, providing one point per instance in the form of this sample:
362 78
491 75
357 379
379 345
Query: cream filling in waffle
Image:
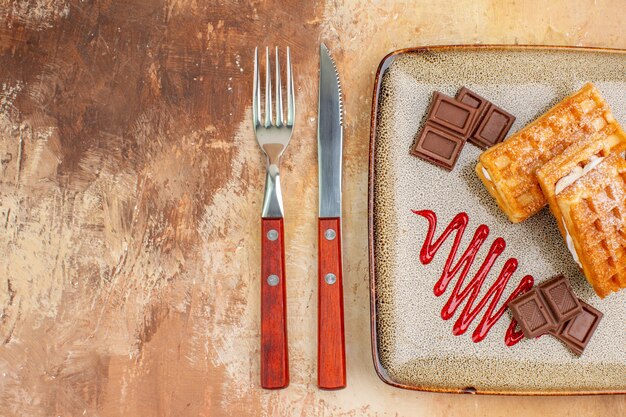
576 173
570 244
486 174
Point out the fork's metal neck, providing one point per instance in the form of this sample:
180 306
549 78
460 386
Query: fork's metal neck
273 199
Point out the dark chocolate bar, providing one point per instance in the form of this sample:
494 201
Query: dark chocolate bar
451 114
493 128
554 308
577 332
451 121
438 146
532 314
467 96
559 296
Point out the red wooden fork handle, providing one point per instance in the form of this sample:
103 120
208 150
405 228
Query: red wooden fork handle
331 352
274 355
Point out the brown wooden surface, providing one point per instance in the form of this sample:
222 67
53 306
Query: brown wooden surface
130 193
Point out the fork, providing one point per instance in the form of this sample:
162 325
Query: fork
273 137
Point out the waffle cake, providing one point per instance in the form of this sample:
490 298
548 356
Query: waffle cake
508 169
579 158
593 211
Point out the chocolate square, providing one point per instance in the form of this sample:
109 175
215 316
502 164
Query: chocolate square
438 146
493 128
532 314
577 332
558 330
467 96
451 114
559 296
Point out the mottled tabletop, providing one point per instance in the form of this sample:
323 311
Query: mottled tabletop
130 193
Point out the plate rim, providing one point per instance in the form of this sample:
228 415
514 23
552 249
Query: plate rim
380 72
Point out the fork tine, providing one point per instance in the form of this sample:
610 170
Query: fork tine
256 93
291 108
268 88
279 94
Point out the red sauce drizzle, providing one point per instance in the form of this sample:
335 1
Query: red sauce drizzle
461 268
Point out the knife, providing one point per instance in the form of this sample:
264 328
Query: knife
331 356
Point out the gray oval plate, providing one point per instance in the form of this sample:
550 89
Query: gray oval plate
413 347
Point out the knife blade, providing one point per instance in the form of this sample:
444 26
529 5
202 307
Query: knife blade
329 137
331 371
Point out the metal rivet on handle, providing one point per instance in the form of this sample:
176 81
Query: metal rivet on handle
330 278
272 280
272 234
330 234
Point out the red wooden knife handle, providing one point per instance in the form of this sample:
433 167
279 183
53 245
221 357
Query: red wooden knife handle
274 355
331 351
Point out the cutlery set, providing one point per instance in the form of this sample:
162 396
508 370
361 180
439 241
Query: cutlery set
273 135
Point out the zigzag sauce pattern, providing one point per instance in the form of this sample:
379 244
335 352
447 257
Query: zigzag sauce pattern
469 294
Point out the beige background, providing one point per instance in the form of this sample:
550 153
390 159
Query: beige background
130 192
